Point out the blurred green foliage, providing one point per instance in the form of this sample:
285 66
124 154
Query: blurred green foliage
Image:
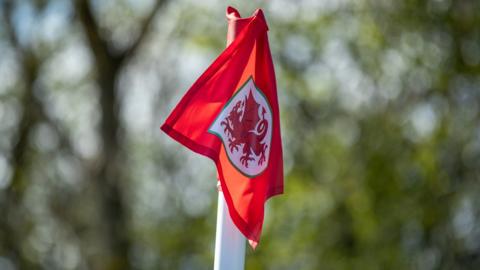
380 108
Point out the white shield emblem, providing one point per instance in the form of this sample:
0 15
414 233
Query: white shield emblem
245 127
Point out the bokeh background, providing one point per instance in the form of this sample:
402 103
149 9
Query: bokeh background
380 112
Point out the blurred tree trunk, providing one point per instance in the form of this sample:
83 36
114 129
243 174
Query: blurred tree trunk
109 176
15 222
110 179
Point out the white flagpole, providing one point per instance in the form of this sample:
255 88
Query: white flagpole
229 242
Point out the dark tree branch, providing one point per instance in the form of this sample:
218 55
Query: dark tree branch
144 31
97 43
7 11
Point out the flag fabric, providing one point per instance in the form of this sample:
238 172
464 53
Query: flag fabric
231 115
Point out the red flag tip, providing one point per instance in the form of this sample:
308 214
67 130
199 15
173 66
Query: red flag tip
232 13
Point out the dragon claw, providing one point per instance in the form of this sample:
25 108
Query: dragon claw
245 159
227 129
261 160
262 156
232 145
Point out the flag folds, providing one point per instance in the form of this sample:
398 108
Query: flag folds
230 114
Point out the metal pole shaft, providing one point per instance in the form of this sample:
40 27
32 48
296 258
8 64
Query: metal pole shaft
229 243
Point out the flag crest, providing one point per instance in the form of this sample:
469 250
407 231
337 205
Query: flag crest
245 127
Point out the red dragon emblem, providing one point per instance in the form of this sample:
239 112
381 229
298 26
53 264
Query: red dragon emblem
246 128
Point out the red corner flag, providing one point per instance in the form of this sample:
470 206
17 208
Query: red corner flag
231 115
